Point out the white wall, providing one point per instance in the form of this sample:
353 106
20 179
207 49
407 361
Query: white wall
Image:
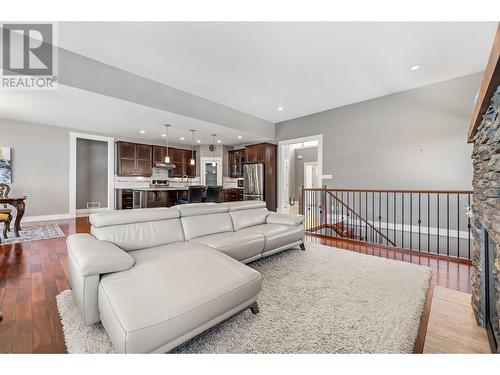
414 139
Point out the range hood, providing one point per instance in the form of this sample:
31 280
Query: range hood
167 166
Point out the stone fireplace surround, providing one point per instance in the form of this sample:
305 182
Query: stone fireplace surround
486 207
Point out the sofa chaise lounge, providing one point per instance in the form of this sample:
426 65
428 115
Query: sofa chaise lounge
157 277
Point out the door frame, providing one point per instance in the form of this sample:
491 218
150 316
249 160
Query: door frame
73 137
281 149
209 159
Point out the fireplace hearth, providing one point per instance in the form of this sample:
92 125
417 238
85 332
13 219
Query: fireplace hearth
491 293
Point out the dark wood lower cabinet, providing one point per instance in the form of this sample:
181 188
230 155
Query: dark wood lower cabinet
232 195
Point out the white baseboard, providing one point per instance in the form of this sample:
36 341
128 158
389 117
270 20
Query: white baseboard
87 211
28 219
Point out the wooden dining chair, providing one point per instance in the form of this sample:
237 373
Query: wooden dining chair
5 213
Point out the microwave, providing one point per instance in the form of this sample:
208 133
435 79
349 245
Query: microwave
240 182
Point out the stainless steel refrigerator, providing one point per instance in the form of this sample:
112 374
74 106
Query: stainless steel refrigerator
253 182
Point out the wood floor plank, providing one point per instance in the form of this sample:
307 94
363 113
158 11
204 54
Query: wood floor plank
23 338
42 335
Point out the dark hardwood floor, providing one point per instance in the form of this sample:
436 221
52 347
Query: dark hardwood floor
33 273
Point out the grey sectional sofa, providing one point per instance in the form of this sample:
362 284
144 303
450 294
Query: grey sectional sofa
157 277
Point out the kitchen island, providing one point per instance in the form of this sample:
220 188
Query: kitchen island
148 197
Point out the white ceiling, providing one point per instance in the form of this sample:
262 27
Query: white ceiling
302 67
73 108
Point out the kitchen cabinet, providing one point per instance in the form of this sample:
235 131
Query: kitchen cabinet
236 159
159 154
232 195
181 158
134 159
265 153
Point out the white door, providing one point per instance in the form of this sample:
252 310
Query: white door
311 175
285 189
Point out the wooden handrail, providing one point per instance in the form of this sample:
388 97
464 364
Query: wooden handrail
361 218
393 191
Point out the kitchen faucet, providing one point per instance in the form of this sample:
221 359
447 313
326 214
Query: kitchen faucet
187 180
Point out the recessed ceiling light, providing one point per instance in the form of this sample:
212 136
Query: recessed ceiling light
219 141
280 108
181 138
163 135
415 67
198 141
239 137
142 131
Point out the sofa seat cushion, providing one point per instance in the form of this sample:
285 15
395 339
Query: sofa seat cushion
171 291
237 246
276 235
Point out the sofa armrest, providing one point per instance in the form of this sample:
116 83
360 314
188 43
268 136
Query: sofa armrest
287 219
95 257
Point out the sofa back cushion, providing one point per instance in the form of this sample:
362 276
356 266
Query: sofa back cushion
203 225
248 218
138 229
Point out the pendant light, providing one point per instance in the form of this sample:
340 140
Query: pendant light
167 157
214 163
192 161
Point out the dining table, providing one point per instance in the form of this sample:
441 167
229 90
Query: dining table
19 205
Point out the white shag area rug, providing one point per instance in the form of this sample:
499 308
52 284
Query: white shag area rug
322 300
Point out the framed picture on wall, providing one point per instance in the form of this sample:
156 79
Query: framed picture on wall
5 165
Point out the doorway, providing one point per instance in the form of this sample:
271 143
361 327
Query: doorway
299 163
91 174
211 171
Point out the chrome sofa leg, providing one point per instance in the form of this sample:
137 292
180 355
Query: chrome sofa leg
302 246
255 308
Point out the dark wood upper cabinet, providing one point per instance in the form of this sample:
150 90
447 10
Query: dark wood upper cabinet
236 159
181 158
159 154
256 153
265 153
134 159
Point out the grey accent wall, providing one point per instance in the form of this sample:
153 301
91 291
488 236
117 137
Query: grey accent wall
91 172
410 140
40 165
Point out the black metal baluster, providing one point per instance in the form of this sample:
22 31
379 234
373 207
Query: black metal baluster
353 206
419 222
458 225
360 234
403 220
438 234
387 217
373 216
366 215
411 220
428 222
379 215
468 229
394 219
447 224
